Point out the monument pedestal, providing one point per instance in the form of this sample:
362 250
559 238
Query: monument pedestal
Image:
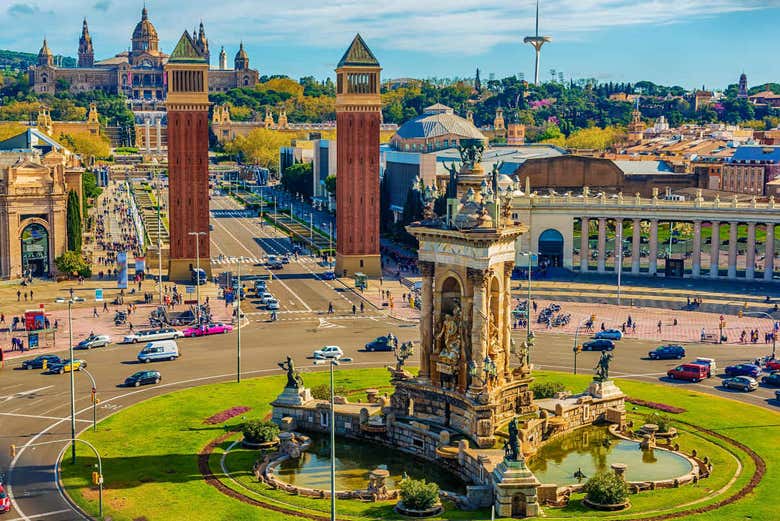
604 390
293 397
514 488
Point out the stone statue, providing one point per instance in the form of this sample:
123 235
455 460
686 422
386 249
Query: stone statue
450 337
452 185
294 378
471 151
402 353
494 173
602 367
514 444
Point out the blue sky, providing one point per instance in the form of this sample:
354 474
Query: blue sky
684 42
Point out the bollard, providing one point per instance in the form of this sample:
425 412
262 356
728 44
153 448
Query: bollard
45 364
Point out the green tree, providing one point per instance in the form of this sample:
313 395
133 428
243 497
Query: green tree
71 263
74 222
298 179
330 184
606 488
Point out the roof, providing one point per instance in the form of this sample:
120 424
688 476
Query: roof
643 167
764 154
436 124
358 55
764 94
438 108
32 139
186 51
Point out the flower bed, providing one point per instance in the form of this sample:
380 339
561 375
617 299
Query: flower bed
655 405
225 415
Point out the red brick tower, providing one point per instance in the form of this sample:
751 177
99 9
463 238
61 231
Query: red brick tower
188 157
358 116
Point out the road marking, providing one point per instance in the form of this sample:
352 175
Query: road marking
324 324
40 417
25 393
38 516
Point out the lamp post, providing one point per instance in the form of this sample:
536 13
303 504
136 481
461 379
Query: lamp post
197 270
159 231
619 264
238 326
94 399
576 348
529 336
330 240
311 233
332 445
72 385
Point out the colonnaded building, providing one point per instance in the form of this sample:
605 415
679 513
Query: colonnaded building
136 73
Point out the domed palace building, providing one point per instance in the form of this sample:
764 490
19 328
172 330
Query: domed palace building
136 73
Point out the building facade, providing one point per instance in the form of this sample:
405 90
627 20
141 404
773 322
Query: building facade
750 169
136 73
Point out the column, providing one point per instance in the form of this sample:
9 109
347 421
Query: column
159 135
653 267
636 237
696 269
750 253
732 273
602 245
714 249
584 253
426 319
147 136
769 252
618 245
478 281
506 327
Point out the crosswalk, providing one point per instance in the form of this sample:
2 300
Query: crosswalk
225 260
233 213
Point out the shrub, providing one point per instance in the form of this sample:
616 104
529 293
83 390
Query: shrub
417 494
258 431
606 488
322 392
547 389
663 421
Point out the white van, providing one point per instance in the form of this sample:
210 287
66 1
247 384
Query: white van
162 350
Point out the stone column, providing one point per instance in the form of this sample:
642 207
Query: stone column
426 319
769 252
584 253
506 327
732 273
159 135
479 280
147 136
653 268
714 249
618 253
636 236
696 268
602 246
750 253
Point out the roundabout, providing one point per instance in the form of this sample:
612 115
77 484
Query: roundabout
161 459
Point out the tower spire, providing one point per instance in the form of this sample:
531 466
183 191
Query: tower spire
537 42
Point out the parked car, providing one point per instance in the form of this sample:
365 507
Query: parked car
94 341
709 363
260 286
667 353
207 329
381 343
143 378
328 352
272 305
265 297
773 365
328 275
601 344
66 366
772 379
161 350
151 335
743 383
691 372
37 362
609 334
777 396
5 501
751 370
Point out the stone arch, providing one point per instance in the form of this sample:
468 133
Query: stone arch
35 246
451 291
550 247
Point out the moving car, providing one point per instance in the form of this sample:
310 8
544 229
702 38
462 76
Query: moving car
207 329
772 379
5 501
66 366
272 305
162 350
150 335
744 383
609 334
37 362
381 343
94 341
709 363
260 286
328 275
143 378
751 370
601 344
667 353
691 372
773 365
275 265
285 259
265 297
328 352
198 276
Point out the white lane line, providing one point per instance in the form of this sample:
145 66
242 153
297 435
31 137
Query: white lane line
38 516
40 417
25 393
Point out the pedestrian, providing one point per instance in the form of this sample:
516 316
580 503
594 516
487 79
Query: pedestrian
130 325
633 327
602 326
56 324
659 326
354 310
330 308
18 295
31 295
25 296
362 307
2 318
94 313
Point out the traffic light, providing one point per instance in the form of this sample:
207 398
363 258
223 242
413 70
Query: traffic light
740 313
578 348
95 478
12 451
593 318
94 395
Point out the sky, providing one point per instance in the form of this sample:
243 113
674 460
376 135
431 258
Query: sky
692 43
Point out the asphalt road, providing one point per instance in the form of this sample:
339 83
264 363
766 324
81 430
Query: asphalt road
34 407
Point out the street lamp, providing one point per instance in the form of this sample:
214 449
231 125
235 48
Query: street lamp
159 230
197 271
94 398
72 385
333 363
238 317
529 334
576 348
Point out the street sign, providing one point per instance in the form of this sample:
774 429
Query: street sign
190 289
98 295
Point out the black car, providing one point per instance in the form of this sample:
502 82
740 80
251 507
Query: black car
380 344
667 353
143 378
772 379
37 362
602 344
275 265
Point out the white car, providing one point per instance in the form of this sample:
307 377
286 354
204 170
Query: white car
93 341
329 352
265 297
272 305
151 335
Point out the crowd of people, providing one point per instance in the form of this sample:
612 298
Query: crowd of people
110 243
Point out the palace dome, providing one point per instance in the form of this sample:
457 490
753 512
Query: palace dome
436 121
144 30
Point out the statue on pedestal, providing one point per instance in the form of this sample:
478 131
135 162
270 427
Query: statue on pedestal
294 378
512 445
602 367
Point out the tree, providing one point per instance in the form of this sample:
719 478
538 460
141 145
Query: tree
72 262
87 145
9 130
417 494
260 146
606 488
330 184
74 222
298 179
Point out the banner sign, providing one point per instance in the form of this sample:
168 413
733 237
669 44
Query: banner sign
140 265
121 266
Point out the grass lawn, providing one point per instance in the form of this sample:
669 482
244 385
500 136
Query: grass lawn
150 455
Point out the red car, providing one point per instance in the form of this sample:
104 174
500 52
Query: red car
773 365
5 501
692 372
207 329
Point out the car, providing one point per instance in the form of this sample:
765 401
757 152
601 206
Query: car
66 366
93 341
160 350
143 378
751 370
328 352
773 365
667 353
707 362
609 334
275 265
744 383
328 275
285 259
150 335
260 286
602 344
207 329
381 343
5 501
772 379
265 297
272 305
271 259
37 362
211 226
691 372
